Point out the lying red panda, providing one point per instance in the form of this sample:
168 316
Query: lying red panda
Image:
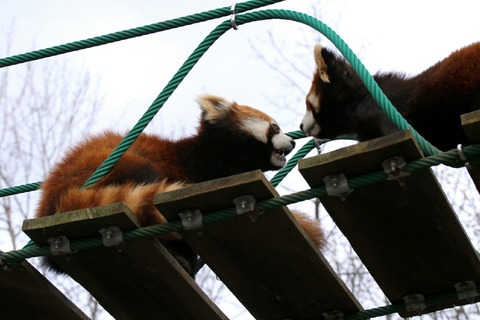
230 139
338 103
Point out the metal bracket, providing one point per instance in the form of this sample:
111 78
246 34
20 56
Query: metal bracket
7 268
233 18
59 245
247 205
192 219
337 185
320 143
415 303
463 157
466 290
111 236
334 315
244 204
396 169
4 266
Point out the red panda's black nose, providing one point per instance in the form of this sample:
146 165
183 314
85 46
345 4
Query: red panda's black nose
301 126
293 144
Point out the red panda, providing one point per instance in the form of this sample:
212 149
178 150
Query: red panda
230 139
338 103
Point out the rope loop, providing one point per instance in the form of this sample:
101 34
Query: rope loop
463 157
233 18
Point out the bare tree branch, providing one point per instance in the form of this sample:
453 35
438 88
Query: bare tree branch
43 107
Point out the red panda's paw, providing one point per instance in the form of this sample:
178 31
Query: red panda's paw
184 263
185 256
312 228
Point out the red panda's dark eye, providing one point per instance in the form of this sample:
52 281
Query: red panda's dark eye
275 127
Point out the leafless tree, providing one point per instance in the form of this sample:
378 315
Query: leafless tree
44 107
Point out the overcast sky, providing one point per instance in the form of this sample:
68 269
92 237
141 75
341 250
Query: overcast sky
404 35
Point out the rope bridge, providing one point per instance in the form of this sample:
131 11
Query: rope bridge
239 16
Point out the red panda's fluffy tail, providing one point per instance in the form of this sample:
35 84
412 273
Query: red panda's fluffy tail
312 228
138 197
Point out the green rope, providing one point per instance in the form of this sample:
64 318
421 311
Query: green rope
383 101
278 177
450 158
398 307
275 180
132 33
372 86
296 134
157 104
20 189
300 154
351 57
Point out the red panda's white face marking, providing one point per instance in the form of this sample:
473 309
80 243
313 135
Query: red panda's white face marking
249 121
256 127
283 144
309 124
313 101
265 129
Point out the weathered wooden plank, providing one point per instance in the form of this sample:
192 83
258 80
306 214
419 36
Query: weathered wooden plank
407 236
270 264
27 294
140 281
471 127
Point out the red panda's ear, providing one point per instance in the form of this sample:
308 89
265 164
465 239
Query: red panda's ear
214 108
321 65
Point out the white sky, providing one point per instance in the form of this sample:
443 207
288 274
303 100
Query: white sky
407 36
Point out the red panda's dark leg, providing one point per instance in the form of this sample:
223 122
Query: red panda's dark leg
182 252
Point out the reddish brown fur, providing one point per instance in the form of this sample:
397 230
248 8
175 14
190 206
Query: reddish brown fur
454 80
65 181
459 73
431 101
312 228
153 165
88 156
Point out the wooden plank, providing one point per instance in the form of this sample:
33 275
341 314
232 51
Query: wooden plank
408 237
471 127
270 264
27 294
141 281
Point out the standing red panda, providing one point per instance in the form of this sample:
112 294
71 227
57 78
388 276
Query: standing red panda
338 102
230 139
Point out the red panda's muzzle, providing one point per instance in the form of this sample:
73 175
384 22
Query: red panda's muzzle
278 158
